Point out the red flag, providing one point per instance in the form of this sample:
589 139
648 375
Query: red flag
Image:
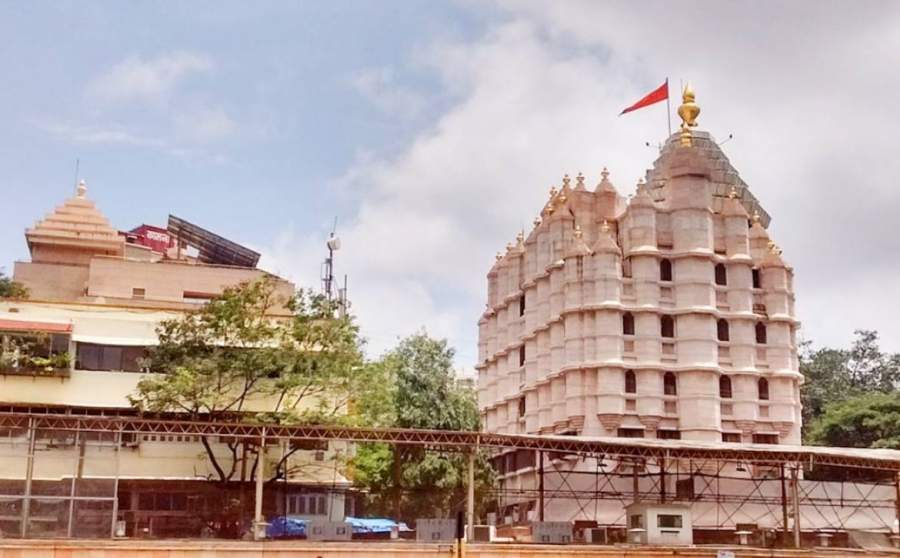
661 93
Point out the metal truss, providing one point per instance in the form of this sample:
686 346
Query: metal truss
610 448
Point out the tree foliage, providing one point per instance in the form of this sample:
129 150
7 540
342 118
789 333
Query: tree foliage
11 289
420 391
233 357
838 375
870 420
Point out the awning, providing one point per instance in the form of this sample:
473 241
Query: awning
120 341
32 326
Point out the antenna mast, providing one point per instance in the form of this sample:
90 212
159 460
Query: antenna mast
329 288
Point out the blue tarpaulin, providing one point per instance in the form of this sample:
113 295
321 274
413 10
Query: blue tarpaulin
285 526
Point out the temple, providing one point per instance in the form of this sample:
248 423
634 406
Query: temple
668 314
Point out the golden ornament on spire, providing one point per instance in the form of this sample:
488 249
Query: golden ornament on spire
688 111
566 181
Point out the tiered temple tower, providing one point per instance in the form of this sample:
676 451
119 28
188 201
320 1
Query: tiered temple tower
667 315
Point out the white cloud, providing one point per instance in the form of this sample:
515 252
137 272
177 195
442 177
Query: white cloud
147 79
539 94
105 135
204 125
379 86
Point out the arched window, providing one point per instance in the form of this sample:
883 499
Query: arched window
665 270
627 323
721 274
722 330
670 385
724 387
763 386
667 326
761 333
630 382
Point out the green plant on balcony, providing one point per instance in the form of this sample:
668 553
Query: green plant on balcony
31 354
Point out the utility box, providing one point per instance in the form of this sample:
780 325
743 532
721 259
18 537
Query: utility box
435 530
663 524
551 532
329 531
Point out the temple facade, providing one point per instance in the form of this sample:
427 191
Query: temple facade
668 314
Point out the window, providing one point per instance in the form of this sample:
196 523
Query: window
765 438
630 382
668 521
731 437
670 384
521 406
627 323
756 282
306 504
763 387
722 330
522 305
665 270
636 521
761 336
91 356
522 355
631 433
684 488
667 434
721 274
724 387
667 326
138 293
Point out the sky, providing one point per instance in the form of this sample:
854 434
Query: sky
432 131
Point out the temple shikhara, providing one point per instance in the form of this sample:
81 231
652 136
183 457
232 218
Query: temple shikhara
668 315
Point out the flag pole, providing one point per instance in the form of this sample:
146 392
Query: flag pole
668 110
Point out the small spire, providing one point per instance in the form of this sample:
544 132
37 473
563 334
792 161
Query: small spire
565 181
520 238
579 182
604 175
553 192
499 256
733 193
537 221
756 218
81 189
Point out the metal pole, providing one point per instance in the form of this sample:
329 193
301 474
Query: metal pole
115 506
662 480
76 474
258 520
540 486
634 480
29 474
784 509
795 496
897 500
668 109
470 498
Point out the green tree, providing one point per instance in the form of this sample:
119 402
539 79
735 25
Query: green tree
833 375
11 289
231 358
422 392
870 420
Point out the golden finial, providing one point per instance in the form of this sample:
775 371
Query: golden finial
579 182
578 233
566 181
562 197
81 189
733 193
688 111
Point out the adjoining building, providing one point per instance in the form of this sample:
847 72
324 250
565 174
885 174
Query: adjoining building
96 297
668 314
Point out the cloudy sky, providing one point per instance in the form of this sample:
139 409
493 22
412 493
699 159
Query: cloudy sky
432 131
